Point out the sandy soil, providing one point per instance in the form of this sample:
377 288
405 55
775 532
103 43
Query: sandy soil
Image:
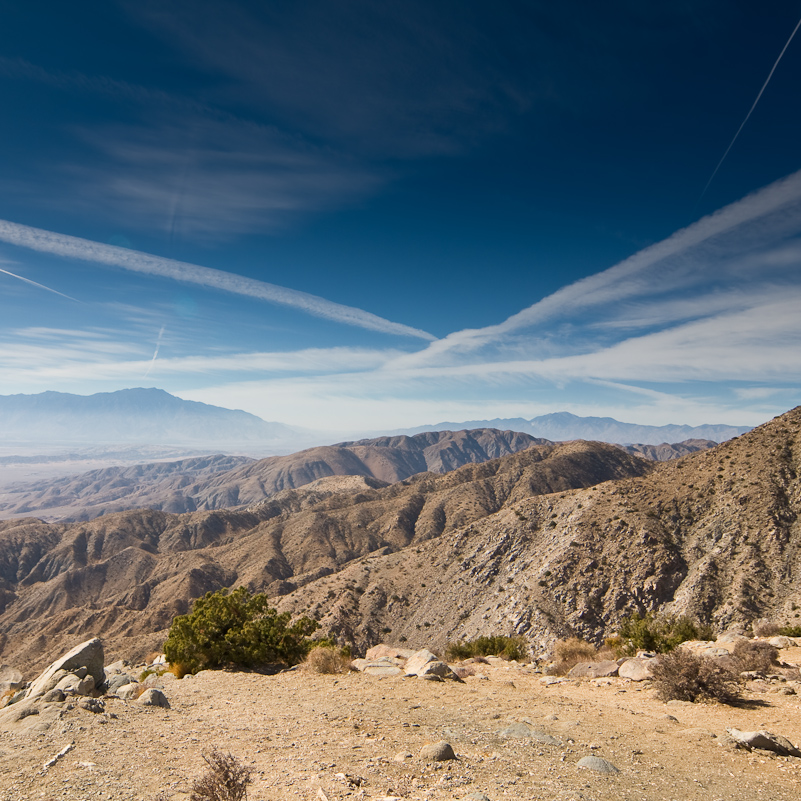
355 736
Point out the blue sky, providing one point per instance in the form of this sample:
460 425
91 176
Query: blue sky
372 215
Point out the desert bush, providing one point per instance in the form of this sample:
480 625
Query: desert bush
326 659
464 671
226 779
789 631
570 652
498 645
659 633
683 676
755 655
236 629
765 628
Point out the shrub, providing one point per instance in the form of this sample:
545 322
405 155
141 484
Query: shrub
236 629
790 631
226 779
755 655
683 676
765 628
326 659
498 645
659 633
570 652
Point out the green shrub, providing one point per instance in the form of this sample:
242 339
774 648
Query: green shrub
505 647
659 633
789 631
236 629
683 676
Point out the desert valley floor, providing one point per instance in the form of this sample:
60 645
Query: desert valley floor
355 736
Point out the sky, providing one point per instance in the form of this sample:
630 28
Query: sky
349 215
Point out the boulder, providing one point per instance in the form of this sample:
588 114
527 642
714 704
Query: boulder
764 740
593 670
92 705
435 668
118 680
88 654
597 764
377 651
437 752
128 692
635 670
10 679
154 697
418 660
74 685
53 697
781 642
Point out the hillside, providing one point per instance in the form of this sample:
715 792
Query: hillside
225 482
714 535
126 575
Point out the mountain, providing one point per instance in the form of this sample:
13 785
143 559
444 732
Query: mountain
129 415
124 576
225 482
664 452
563 426
553 541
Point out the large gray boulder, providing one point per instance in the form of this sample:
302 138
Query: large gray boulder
593 670
88 654
418 661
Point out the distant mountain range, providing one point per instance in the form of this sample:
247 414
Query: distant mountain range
563 426
131 416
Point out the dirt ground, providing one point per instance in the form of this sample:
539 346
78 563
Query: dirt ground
355 736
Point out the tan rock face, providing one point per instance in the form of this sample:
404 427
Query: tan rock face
88 654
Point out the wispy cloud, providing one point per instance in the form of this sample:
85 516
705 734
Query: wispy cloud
673 264
75 248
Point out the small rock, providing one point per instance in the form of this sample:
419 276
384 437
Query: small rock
154 697
437 752
92 705
402 756
476 797
54 696
597 764
75 685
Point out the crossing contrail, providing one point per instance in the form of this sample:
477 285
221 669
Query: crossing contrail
35 283
155 353
750 111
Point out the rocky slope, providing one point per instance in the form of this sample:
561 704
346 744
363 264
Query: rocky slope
224 482
126 575
714 535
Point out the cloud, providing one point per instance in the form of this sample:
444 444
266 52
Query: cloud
75 248
35 283
671 265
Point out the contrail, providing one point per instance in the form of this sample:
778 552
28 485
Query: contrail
155 353
742 124
72 247
34 283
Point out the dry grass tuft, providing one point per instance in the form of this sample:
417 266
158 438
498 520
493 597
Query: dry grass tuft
226 779
323 659
682 676
570 652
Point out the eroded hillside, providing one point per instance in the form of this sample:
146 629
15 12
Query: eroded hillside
124 576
